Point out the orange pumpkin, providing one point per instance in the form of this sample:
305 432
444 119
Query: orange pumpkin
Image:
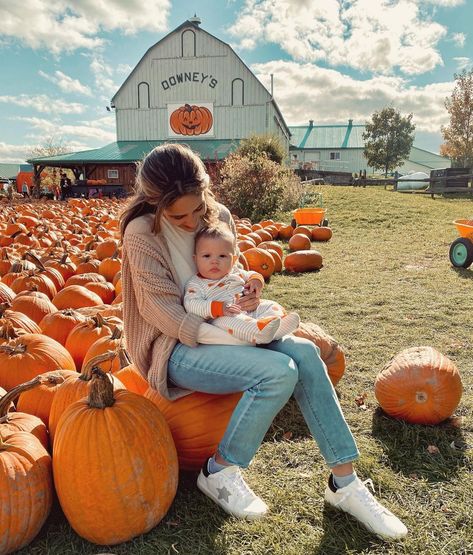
419 385
321 233
299 242
188 418
76 296
259 260
29 355
26 489
59 324
304 230
17 421
303 261
286 232
37 401
191 120
273 245
138 480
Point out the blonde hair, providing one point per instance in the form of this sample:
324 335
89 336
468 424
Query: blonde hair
219 230
167 173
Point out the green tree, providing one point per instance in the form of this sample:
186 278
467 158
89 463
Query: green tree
388 139
458 135
270 144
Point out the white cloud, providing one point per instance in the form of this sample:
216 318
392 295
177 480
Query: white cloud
92 130
14 154
66 83
103 75
123 69
306 91
462 62
61 26
458 39
365 35
44 103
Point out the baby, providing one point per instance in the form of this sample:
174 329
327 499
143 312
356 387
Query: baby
214 291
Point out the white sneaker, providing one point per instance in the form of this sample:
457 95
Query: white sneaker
229 490
358 501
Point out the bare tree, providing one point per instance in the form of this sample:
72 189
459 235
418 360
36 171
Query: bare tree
51 146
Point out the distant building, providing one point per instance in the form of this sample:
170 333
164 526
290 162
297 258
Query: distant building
340 148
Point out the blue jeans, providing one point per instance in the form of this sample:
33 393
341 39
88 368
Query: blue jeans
267 375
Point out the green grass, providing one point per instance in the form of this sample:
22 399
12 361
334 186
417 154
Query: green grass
386 284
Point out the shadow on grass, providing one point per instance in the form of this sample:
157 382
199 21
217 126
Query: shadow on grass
406 448
464 273
343 534
191 525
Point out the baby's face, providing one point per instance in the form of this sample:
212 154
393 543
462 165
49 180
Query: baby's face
214 257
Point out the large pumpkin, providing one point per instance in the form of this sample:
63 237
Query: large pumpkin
114 446
26 490
191 120
197 422
321 233
419 385
303 261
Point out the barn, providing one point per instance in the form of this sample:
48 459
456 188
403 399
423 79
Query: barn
339 148
189 87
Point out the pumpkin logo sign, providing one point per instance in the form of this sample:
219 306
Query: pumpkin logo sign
191 120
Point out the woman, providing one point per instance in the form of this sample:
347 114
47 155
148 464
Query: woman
170 347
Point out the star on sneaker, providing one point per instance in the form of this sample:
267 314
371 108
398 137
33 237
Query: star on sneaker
358 501
230 491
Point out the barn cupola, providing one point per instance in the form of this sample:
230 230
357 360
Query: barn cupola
195 20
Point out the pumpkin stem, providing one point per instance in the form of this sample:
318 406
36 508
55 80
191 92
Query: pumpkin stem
86 373
101 390
124 358
117 332
8 331
14 393
3 444
36 261
11 350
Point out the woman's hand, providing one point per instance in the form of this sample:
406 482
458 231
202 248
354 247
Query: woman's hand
251 294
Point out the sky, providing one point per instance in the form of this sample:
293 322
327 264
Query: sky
332 60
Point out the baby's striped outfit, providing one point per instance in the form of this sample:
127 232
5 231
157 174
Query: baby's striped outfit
207 298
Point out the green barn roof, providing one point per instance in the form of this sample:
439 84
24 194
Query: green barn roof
327 136
126 152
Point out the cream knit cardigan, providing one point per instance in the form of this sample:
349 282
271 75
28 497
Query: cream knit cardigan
154 318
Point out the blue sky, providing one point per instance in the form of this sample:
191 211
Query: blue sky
332 60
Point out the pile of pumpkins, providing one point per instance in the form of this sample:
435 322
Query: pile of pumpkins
78 420
260 251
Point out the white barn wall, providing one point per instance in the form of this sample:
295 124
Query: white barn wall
212 70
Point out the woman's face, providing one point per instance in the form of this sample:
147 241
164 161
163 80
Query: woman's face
186 211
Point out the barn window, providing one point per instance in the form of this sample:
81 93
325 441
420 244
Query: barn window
334 156
143 95
238 92
112 174
188 43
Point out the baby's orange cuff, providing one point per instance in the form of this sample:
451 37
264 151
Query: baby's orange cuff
216 308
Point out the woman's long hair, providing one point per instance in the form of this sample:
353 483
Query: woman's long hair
167 173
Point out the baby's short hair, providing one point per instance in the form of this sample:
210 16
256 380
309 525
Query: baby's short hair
219 230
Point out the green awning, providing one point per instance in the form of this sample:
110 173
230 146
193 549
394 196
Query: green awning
126 152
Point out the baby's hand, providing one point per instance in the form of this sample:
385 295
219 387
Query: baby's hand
231 309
